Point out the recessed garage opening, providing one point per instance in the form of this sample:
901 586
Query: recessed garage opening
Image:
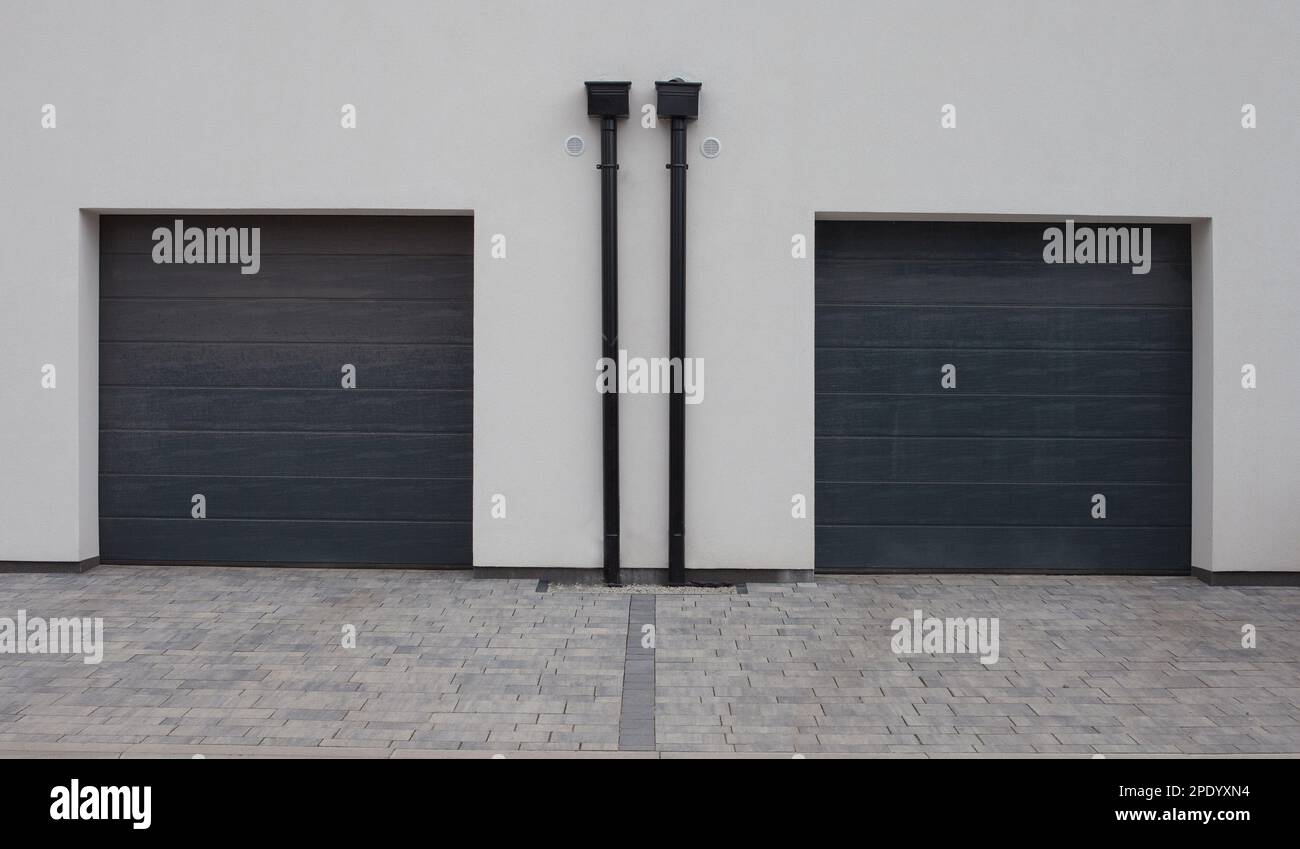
317 411
981 409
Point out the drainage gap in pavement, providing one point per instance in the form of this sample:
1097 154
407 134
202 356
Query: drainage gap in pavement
636 720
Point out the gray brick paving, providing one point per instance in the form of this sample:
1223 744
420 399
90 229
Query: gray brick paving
249 662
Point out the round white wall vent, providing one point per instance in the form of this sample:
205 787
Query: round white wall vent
710 147
574 145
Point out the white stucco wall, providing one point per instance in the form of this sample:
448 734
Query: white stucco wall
1108 108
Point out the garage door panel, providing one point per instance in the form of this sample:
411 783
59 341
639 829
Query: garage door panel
293 454
1005 372
216 540
965 241
231 386
1003 460
280 320
973 400
280 409
305 276
1031 283
280 498
408 235
1111 549
992 504
971 414
289 365
1106 328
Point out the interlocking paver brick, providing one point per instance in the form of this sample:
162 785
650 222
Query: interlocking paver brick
251 660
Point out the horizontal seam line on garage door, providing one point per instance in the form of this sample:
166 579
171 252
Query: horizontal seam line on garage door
943 305
358 390
980 436
951 259
1099 525
274 477
1117 482
281 298
429 345
290 432
317 254
956 349
955 394
292 519
1005 483
197 342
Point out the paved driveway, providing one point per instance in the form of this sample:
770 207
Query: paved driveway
252 661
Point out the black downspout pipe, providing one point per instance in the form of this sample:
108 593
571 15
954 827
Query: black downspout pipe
609 102
678 101
677 353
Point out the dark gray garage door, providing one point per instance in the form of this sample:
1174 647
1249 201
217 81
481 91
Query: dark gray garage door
1068 384
231 387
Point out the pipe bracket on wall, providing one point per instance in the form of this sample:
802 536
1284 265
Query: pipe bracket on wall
679 101
608 101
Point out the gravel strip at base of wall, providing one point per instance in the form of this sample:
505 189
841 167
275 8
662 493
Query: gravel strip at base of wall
640 589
